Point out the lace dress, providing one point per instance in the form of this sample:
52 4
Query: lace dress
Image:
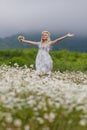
44 61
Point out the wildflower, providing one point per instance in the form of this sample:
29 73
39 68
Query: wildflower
16 65
17 122
20 38
31 66
46 116
46 128
8 129
51 116
8 118
40 120
26 127
83 122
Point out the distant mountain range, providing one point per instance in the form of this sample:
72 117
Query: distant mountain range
73 44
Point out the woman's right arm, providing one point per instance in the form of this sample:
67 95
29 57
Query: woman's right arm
22 39
30 42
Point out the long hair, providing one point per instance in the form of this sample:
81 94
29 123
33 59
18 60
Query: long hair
49 39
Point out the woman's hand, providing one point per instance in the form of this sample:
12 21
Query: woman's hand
20 38
70 35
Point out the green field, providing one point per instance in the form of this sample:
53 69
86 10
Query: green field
62 60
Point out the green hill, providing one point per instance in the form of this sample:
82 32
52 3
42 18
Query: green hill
74 44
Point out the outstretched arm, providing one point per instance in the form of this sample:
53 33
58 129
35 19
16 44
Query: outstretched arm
21 39
30 42
61 38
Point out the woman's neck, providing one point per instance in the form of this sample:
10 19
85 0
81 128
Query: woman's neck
44 41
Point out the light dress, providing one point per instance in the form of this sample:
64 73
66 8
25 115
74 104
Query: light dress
44 61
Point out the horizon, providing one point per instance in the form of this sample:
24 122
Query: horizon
53 34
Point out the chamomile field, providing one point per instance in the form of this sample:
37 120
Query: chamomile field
34 101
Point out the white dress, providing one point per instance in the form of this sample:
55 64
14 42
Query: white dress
44 61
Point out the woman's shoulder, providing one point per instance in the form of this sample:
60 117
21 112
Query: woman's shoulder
38 43
50 43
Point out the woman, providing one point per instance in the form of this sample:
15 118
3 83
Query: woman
44 61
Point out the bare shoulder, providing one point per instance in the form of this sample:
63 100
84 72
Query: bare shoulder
50 43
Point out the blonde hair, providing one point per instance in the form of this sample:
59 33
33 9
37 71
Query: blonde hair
49 39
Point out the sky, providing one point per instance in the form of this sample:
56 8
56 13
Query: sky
56 16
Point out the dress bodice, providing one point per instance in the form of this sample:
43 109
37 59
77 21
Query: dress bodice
45 47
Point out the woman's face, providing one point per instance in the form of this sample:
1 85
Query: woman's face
44 36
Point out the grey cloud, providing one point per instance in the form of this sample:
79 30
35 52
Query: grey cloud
37 15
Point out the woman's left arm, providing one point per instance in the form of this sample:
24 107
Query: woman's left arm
61 38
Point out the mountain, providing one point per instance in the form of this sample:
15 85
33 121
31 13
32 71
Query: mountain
11 43
76 43
73 44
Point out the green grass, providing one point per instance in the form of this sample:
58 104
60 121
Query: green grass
62 60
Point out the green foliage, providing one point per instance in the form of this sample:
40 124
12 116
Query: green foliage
67 60
22 57
62 60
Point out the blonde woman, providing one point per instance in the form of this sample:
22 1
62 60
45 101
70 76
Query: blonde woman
44 61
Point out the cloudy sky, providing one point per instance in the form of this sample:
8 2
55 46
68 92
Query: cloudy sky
37 15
